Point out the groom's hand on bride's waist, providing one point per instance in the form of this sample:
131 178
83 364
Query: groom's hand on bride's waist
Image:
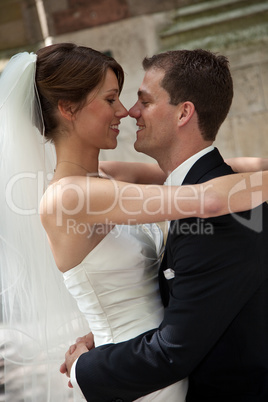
82 345
88 340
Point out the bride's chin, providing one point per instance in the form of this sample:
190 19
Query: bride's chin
113 146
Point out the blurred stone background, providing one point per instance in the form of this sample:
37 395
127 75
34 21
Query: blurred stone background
133 29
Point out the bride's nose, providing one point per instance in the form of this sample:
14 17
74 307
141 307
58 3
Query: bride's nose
122 111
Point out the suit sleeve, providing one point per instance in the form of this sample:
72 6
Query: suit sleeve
215 274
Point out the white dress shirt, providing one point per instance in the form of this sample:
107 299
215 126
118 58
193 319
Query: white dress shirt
178 175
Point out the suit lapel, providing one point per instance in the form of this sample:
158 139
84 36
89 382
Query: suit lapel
207 167
203 166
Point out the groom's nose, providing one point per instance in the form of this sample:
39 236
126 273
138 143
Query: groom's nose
134 111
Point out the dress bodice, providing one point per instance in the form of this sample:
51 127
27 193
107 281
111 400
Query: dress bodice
116 288
116 285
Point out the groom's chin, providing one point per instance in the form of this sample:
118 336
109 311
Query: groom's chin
138 147
143 149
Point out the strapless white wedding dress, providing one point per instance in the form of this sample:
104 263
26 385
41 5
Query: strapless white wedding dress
116 288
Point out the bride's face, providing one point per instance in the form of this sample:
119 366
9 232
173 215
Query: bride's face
97 123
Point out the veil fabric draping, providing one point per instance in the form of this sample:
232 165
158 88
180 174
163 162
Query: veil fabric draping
39 318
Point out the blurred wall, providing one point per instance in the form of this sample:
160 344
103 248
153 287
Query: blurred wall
133 29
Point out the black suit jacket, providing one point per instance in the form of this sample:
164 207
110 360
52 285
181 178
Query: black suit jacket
215 327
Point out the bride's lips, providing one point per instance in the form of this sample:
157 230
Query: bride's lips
115 128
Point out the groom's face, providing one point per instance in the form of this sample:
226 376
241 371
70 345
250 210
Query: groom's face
156 117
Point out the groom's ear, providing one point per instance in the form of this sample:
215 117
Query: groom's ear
66 109
185 112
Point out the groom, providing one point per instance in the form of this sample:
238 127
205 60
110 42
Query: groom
214 285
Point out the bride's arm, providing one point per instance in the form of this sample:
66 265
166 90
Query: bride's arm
133 172
247 164
93 200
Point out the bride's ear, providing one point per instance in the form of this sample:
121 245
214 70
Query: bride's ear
66 109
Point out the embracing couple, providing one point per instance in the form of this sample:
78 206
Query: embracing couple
203 336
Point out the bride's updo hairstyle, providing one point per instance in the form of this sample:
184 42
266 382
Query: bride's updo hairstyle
68 72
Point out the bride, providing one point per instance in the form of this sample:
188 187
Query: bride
101 232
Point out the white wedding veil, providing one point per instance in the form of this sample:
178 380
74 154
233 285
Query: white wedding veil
39 319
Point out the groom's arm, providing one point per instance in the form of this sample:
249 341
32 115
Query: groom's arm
200 309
